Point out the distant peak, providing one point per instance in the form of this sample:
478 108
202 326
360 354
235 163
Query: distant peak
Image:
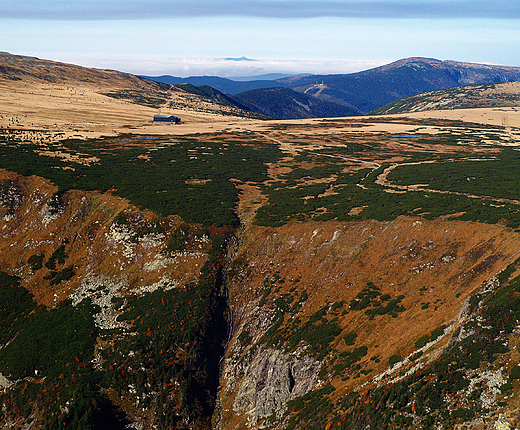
414 60
407 61
239 59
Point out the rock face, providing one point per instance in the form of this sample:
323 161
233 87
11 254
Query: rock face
434 265
111 245
266 380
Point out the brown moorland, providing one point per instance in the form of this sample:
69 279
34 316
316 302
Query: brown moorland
437 265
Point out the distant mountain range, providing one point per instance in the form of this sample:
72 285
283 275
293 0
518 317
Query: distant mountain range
242 58
359 92
291 97
224 85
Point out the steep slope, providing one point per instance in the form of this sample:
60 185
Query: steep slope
284 103
373 88
473 96
214 95
307 284
90 276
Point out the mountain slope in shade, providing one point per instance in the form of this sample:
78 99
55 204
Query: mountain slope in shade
373 88
285 103
367 90
224 85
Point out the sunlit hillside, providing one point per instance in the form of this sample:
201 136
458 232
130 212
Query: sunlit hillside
232 272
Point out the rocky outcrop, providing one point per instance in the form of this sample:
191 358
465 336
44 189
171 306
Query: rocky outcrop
266 379
435 266
108 258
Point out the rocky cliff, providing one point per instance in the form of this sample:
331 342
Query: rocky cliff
433 268
316 309
129 271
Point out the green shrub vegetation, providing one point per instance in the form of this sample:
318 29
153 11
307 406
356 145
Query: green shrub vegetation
349 338
291 197
58 257
349 358
36 261
199 173
56 345
72 328
394 359
58 276
179 239
172 179
156 99
8 191
311 410
243 335
15 304
423 340
495 177
381 304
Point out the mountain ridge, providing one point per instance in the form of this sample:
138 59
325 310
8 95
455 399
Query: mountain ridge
225 85
285 103
367 90
373 88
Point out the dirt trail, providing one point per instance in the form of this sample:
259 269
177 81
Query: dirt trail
356 160
382 180
285 146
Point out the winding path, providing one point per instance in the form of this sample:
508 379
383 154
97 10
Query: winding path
283 145
382 180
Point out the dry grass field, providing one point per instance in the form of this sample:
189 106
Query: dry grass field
55 101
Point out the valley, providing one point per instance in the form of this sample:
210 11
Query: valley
232 272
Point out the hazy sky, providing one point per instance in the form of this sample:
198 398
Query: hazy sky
208 37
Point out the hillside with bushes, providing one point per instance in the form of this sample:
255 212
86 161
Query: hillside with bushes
345 273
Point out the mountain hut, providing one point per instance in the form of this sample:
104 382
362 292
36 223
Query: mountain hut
171 119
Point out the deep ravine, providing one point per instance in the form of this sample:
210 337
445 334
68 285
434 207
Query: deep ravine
233 245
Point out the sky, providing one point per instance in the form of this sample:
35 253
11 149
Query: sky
247 38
